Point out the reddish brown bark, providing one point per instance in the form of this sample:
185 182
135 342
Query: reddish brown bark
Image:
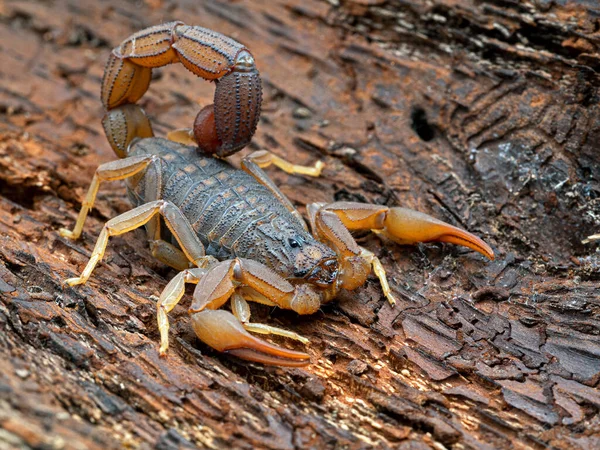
483 114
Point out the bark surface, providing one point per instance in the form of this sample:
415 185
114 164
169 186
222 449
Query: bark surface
482 113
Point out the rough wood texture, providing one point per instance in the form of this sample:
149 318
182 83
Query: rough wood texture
482 113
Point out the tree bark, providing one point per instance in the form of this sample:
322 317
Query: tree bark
482 113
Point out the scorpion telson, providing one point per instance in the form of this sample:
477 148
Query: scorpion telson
230 231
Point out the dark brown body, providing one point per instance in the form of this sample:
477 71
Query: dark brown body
232 214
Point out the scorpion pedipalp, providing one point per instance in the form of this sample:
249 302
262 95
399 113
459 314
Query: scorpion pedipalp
406 226
222 331
402 225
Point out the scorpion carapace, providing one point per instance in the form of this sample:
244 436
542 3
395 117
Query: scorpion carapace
222 128
230 231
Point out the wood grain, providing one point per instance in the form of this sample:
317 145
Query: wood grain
481 113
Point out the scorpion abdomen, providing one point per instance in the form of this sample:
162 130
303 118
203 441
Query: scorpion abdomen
232 214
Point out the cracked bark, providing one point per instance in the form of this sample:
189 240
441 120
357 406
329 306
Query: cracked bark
483 114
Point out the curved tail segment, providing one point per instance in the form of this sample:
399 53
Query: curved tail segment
223 128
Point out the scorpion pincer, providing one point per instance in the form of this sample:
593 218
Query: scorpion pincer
230 231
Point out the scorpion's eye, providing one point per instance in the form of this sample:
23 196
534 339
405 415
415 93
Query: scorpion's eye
293 243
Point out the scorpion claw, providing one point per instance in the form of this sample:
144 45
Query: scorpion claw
222 331
406 226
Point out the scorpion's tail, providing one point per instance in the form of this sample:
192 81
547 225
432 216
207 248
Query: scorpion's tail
123 124
222 128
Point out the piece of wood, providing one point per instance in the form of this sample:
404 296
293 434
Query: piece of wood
482 113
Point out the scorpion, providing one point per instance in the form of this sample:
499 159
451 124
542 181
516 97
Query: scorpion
228 230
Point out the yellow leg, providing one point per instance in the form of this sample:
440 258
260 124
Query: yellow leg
379 271
173 217
263 159
170 297
241 310
111 171
168 254
255 162
184 136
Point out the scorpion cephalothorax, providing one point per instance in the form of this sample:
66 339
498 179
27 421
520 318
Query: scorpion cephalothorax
230 231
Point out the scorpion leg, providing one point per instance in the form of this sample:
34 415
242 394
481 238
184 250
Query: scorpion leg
168 254
256 161
184 136
264 158
224 332
380 273
125 168
241 310
170 297
110 171
162 250
137 217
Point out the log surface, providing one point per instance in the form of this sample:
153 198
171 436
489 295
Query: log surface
482 113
